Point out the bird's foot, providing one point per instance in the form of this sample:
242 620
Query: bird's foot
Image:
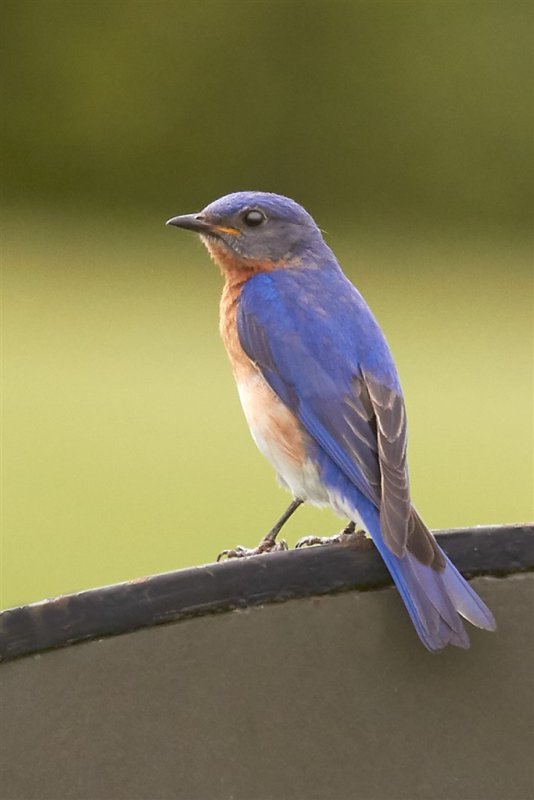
349 536
267 545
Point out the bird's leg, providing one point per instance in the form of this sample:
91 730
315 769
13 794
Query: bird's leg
349 535
268 544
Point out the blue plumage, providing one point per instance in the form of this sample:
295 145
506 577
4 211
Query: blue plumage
312 334
322 396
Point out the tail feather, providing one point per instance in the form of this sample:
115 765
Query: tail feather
466 600
435 599
427 600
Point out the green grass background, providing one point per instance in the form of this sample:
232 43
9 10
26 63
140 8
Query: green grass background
125 450
404 126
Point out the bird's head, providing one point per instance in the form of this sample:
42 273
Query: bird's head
255 231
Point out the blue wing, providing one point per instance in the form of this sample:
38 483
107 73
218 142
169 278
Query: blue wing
320 349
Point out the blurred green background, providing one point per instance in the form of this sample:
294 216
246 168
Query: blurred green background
405 128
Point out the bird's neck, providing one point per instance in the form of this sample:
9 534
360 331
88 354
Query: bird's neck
236 268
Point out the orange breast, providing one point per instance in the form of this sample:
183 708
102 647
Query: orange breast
275 429
241 364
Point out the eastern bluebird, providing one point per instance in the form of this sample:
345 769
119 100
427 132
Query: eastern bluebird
322 397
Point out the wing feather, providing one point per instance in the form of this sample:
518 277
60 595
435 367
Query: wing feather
353 411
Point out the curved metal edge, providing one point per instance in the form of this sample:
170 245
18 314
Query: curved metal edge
275 577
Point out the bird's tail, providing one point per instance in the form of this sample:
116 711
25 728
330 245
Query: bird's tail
435 599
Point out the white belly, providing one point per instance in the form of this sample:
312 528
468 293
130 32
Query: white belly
280 438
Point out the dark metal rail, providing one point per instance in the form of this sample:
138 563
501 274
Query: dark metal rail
110 610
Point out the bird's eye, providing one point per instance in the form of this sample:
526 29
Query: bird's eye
254 218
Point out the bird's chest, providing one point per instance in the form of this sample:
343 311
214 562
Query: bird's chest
275 429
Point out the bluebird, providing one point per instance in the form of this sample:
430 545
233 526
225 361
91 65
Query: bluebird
322 397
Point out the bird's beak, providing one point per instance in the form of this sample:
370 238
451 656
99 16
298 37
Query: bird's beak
198 224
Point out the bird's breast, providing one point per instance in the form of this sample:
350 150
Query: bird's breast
275 429
273 425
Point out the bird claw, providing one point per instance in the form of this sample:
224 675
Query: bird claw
310 541
354 538
265 546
